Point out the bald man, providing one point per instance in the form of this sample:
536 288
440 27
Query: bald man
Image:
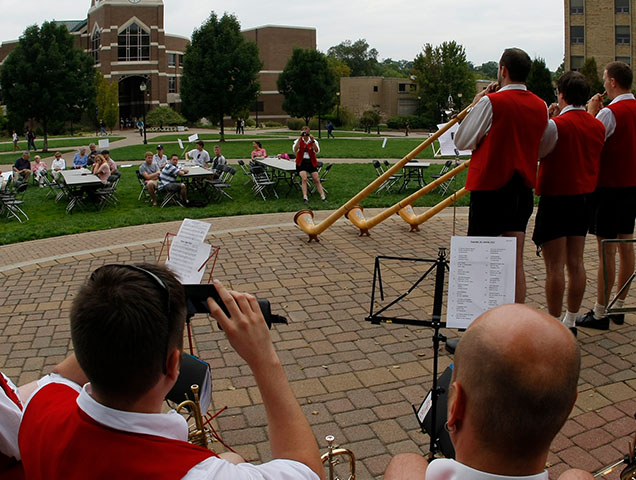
513 387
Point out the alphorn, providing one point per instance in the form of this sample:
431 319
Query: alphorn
305 218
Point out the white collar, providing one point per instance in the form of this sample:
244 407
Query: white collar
168 425
569 108
623 96
513 86
446 468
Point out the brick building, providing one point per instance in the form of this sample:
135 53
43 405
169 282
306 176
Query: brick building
390 96
603 29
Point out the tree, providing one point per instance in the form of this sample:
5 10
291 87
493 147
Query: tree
370 118
395 68
559 71
107 101
160 116
590 71
339 68
361 60
308 84
488 70
220 71
539 81
46 77
439 72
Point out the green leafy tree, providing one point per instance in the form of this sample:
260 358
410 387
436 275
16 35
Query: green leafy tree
539 81
441 72
220 71
162 116
395 68
590 71
339 68
308 84
369 119
488 70
46 77
107 101
362 60
559 71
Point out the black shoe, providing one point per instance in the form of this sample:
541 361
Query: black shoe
451 345
617 318
587 320
573 330
305 201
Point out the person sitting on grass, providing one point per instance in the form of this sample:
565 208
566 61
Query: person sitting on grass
58 163
22 168
101 168
259 151
80 160
39 169
168 178
150 171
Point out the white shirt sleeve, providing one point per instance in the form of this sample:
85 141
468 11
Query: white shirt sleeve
278 469
607 118
10 417
475 126
317 146
549 139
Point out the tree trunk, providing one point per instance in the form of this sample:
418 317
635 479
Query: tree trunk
222 129
45 146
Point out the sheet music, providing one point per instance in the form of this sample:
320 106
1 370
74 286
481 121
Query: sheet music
185 259
193 230
447 142
482 276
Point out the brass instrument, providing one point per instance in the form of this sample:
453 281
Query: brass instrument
629 472
196 434
334 451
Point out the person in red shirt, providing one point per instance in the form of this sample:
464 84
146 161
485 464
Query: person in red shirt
571 158
504 129
615 211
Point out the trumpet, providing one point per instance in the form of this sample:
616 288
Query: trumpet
334 451
196 434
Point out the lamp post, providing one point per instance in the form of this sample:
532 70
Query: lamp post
143 87
338 108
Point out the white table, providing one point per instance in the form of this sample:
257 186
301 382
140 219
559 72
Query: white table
414 170
282 170
78 181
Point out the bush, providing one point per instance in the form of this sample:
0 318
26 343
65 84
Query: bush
398 122
273 124
164 116
295 123
249 122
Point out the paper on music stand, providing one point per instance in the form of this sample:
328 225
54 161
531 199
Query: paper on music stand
180 143
186 258
102 144
193 138
193 230
447 144
482 276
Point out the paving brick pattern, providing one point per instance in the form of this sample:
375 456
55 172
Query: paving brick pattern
354 380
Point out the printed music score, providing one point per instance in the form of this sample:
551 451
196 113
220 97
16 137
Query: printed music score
482 276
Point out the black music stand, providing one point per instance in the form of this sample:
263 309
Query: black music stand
440 265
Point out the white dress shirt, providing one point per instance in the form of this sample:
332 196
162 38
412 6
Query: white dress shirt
448 469
606 116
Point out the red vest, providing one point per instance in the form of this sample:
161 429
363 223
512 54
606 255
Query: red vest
519 119
618 160
572 167
306 147
59 441
10 468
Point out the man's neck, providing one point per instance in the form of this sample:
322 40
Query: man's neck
148 403
617 92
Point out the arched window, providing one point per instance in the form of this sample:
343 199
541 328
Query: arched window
133 44
96 43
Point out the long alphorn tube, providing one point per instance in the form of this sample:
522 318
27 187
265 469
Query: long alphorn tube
305 218
356 214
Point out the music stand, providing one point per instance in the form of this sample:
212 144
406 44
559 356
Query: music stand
609 308
440 265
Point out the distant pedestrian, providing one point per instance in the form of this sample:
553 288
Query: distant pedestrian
102 128
14 139
330 130
140 126
407 127
242 127
30 136
238 126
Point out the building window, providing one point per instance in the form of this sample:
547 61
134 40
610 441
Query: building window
375 88
96 43
622 6
626 60
576 62
402 87
172 59
576 7
622 35
181 61
172 84
577 34
133 44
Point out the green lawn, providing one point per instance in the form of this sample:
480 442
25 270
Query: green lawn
48 218
55 144
370 147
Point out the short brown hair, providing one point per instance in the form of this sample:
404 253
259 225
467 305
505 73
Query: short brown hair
517 62
574 88
621 73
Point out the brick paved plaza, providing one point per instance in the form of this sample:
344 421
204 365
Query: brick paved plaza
354 380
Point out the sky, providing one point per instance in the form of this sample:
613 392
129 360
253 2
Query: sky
397 29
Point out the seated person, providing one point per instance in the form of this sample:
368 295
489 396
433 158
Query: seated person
92 153
127 326
101 168
168 178
199 156
39 169
114 173
504 413
22 167
80 159
150 171
259 151
58 163
218 159
159 158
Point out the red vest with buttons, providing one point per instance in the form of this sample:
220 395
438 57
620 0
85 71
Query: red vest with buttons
618 160
572 167
59 441
519 119
306 147
10 468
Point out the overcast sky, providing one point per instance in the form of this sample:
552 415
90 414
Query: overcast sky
396 28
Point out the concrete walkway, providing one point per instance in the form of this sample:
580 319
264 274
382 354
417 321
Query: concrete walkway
354 380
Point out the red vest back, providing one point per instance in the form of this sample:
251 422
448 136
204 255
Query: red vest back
301 153
519 119
59 441
618 160
572 167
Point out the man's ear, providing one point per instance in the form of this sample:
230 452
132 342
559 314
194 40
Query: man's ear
456 404
173 364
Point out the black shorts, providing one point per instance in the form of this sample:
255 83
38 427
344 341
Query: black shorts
306 166
562 216
494 212
173 187
614 212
